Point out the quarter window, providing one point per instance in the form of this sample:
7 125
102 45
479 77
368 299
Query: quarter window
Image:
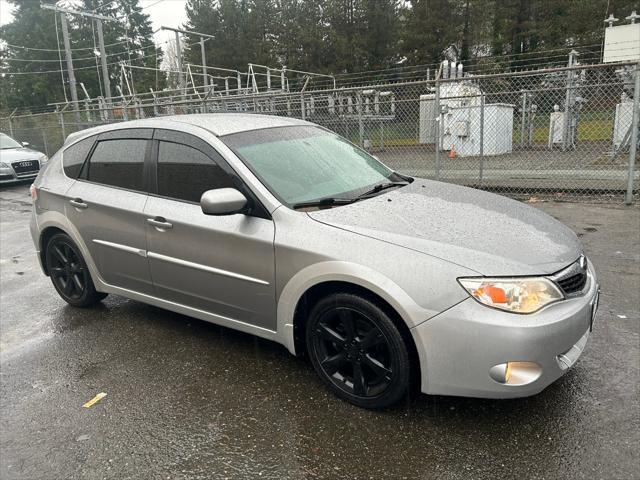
185 173
74 156
119 163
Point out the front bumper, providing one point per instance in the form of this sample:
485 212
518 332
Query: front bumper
7 175
459 347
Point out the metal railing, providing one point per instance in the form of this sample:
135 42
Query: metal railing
565 133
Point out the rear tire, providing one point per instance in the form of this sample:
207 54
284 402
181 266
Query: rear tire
358 351
69 272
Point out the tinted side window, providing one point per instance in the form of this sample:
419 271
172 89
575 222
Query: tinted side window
118 162
185 173
74 156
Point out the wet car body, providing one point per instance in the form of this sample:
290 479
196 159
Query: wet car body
407 250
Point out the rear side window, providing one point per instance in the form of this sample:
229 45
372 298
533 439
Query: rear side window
185 173
119 163
74 156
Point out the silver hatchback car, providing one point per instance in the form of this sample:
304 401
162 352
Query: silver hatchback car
283 229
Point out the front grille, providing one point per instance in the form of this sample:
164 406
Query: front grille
572 279
26 167
6 177
574 283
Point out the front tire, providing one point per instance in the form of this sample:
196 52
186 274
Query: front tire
358 351
69 272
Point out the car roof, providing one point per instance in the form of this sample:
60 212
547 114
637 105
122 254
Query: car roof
219 124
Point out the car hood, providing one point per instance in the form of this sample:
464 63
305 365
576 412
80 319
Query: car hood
18 154
488 233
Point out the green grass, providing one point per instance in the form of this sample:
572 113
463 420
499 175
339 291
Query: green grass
588 131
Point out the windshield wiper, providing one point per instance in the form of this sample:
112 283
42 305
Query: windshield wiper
330 201
380 187
324 202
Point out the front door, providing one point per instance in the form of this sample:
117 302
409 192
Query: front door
220 264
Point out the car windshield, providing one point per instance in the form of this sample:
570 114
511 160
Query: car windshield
307 163
7 142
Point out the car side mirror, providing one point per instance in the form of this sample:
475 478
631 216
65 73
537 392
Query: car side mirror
222 201
25 144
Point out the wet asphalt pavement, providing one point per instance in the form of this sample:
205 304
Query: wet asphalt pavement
187 399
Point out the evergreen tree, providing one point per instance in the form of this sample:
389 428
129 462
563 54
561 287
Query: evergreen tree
301 32
381 29
35 28
430 30
227 22
129 39
327 36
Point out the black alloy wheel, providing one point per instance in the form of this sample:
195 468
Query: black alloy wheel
358 351
69 272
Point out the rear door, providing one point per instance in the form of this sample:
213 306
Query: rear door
106 204
220 264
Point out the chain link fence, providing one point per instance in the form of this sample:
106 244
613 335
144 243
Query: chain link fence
564 133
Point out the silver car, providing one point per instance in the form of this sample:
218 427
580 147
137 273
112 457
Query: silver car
283 229
17 161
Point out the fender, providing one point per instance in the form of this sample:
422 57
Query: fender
52 218
410 312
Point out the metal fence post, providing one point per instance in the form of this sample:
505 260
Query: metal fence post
11 122
567 137
64 133
360 124
437 127
481 139
44 141
634 137
522 117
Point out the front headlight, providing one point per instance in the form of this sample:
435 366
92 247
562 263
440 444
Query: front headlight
3 165
43 159
518 295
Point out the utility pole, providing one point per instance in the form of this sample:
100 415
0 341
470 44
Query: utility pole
67 47
203 36
70 72
204 65
181 82
103 61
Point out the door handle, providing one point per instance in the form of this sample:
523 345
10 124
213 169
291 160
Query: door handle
160 223
78 203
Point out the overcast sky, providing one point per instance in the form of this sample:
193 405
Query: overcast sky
169 13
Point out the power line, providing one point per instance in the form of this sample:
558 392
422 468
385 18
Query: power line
152 5
404 72
38 72
55 50
107 2
536 58
534 55
38 60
